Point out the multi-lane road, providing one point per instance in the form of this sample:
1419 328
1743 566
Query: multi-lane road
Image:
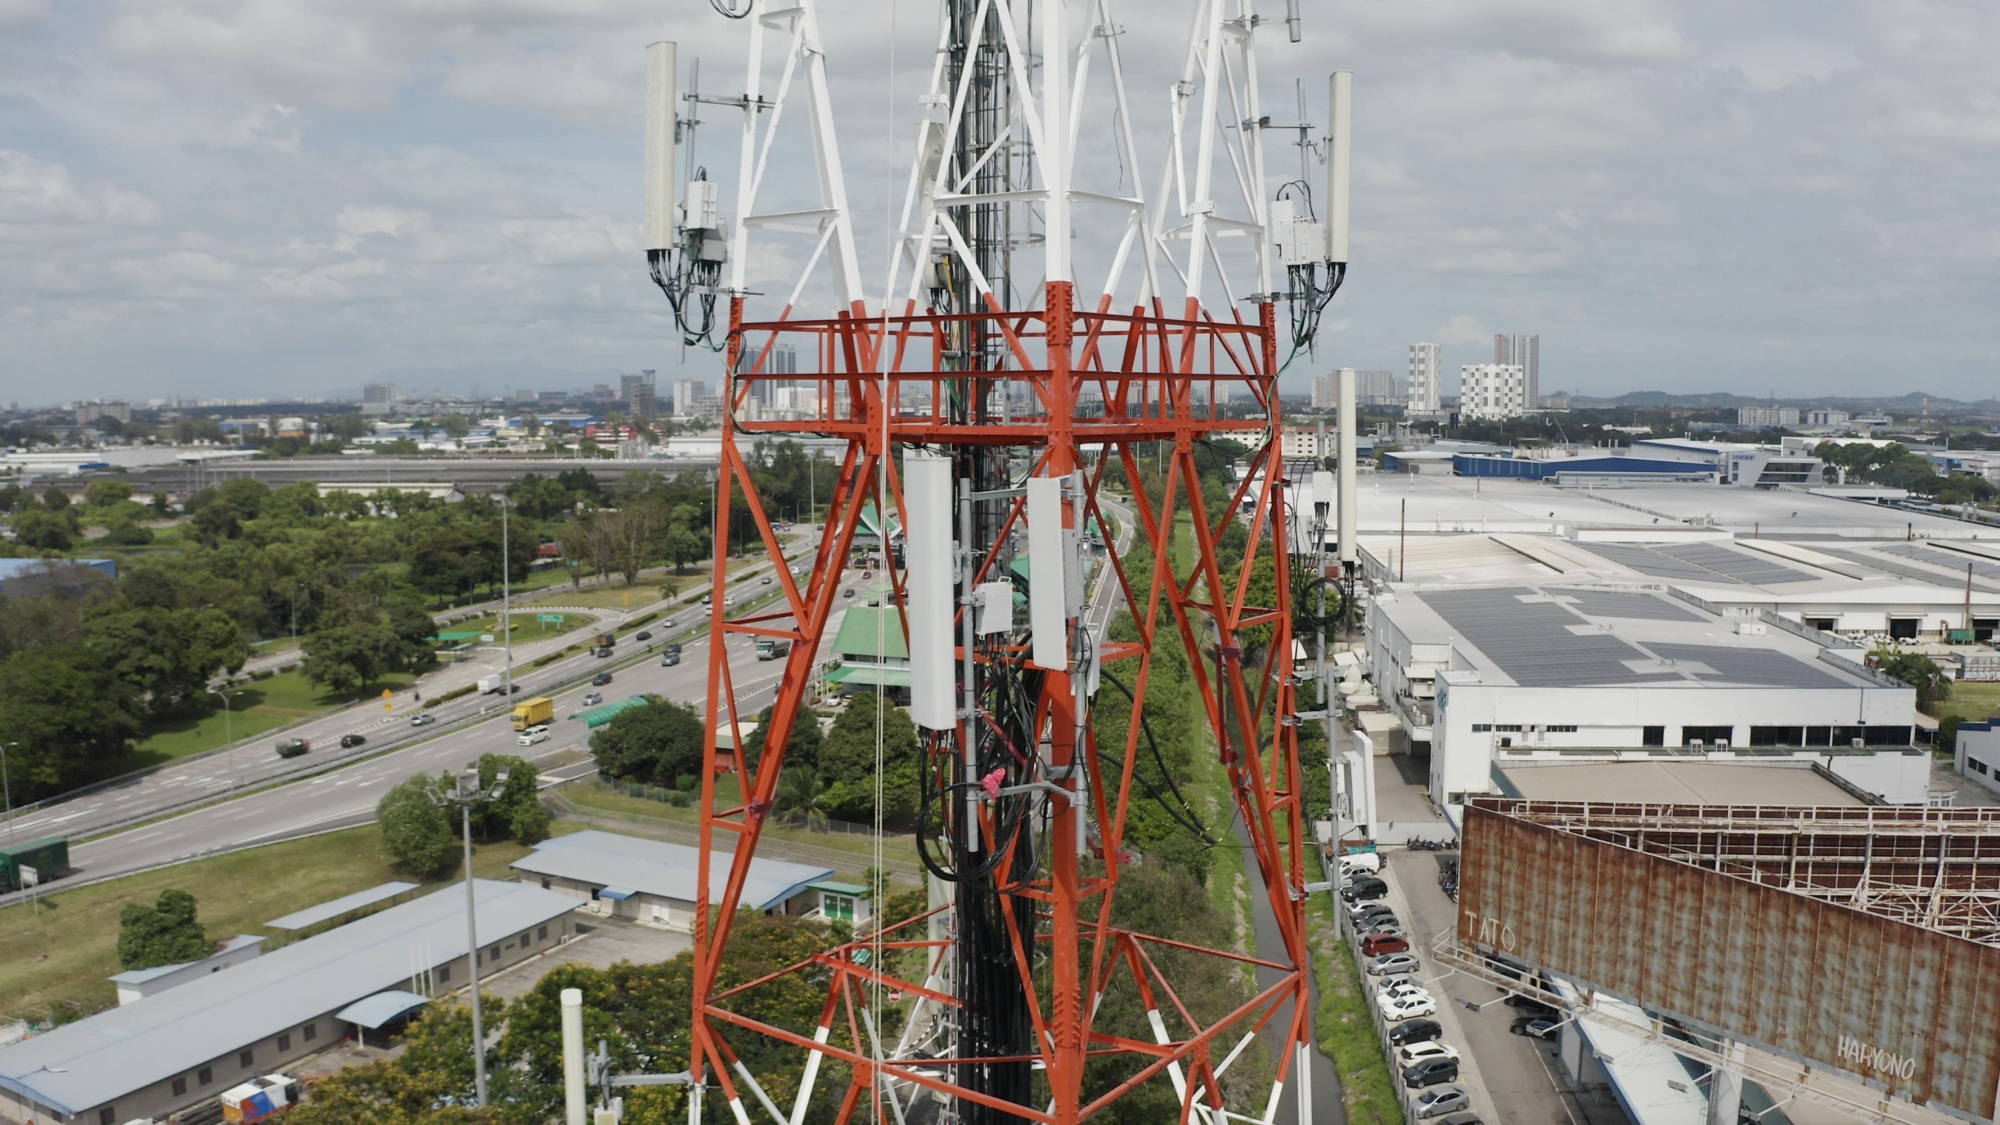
247 795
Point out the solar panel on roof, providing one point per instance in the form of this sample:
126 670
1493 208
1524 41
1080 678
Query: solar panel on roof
1740 565
1955 561
1875 560
1630 605
1534 642
1758 667
1645 560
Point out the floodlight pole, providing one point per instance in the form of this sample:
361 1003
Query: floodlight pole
465 792
7 785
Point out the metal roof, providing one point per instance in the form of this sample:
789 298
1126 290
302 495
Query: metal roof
1536 642
1932 575
314 915
1645 560
1628 604
872 631
1740 565
594 717
657 868
869 675
1743 782
106 1056
1757 667
381 1008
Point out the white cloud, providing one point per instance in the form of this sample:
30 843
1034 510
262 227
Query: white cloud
40 197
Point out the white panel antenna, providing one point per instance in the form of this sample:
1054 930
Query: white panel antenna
1048 587
1339 165
928 562
661 79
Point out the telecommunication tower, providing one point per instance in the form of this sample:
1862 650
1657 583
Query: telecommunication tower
1046 324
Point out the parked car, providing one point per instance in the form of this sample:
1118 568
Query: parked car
1379 926
1411 995
348 740
1415 1053
1535 1027
1430 1072
1439 1100
1461 1119
600 679
423 720
1363 889
1355 863
592 698
1529 1006
1375 945
1415 1031
1394 963
533 735
643 635
1407 1007
1361 910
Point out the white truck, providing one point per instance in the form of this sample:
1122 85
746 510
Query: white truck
260 1099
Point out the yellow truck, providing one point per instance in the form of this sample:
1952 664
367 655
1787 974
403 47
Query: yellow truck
534 712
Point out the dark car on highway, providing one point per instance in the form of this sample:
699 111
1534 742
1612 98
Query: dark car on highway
293 747
600 679
1430 1072
347 740
643 635
1414 1031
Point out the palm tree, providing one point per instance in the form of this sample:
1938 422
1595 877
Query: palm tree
799 797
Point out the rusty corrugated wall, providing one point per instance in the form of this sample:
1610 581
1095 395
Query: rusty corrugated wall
1914 1010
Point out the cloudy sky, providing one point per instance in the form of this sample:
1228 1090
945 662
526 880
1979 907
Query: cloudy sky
291 197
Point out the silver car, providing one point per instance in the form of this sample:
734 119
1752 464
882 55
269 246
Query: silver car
1394 963
1440 1100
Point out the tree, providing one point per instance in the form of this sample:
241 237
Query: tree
43 529
416 830
660 743
517 813
167 655
847 763
65 712
1916 670
682 546
165 933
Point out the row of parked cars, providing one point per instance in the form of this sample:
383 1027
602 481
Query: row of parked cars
1426 1064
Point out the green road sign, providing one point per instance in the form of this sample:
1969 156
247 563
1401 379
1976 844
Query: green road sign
549 618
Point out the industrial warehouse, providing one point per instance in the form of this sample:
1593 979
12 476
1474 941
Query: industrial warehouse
172 1049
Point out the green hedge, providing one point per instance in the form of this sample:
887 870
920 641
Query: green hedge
447 697
1347 1028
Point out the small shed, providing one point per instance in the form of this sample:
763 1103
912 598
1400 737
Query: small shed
379 1018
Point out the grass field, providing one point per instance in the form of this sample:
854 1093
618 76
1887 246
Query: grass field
1971 701
255 707
62 954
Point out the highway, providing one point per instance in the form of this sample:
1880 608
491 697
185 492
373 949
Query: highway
138 824
347 794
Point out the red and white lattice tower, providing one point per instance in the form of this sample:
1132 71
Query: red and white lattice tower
1036 331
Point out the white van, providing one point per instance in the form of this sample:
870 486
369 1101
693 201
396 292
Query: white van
1357 862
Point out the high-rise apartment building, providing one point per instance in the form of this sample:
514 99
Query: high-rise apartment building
378 400
1426 388
1524 352
686 393
637 392
1761 417
1377 388
1324 391
1492 390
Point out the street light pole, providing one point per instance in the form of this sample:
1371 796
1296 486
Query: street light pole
228 735
8 785
465 793
506 616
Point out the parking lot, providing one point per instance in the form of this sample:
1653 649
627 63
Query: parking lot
1510 1078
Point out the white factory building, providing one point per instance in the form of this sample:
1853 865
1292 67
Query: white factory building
1487 674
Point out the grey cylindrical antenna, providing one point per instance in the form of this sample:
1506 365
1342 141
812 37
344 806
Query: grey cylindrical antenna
661 79
1292 19
1339 164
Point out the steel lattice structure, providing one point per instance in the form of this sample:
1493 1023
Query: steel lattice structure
1062 381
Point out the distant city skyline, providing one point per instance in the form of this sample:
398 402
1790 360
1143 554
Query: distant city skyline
319 196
